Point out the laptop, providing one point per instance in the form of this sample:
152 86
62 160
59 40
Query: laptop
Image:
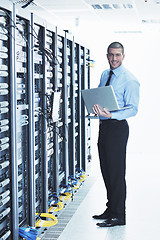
103 96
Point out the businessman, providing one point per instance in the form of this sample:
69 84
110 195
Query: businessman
113 135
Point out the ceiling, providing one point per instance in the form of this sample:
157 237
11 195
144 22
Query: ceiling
113 12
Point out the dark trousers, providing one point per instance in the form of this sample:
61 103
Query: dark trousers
112 142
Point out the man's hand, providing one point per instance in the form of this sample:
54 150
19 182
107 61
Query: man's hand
104 113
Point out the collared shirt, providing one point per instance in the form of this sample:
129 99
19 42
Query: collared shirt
126 88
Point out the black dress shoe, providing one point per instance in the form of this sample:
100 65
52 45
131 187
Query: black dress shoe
102 216
111 222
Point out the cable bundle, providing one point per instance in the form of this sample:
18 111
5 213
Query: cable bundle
90 63
74 182
29 233
48 53
80 175
46 223
65 192
55 204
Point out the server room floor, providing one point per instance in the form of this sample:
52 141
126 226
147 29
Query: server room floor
143 211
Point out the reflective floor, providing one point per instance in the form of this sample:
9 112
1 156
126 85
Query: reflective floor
143 204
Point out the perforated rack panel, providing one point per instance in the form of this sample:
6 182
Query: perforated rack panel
60 126
49 44
38 81
22 116
5 157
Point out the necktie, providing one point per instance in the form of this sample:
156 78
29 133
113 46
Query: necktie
109 78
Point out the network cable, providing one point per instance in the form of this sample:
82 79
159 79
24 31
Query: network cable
29 233
47 52
45 115
27 4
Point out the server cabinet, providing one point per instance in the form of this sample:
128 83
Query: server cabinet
57 87
44 62
24 129
78 103
39 117
5 126
66 123
61 127
49 45
52 116
22 116
70 104
66 109
85 127
88 121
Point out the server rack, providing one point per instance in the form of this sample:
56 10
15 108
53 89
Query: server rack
39 116
22 116
5 127
78 104
72 140
38 152
70 113
49 40
52 117
61 157
85 122
57 73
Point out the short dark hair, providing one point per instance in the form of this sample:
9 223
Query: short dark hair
115 45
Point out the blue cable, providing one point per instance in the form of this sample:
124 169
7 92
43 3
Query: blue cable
74 180
28 233
66 187
54 197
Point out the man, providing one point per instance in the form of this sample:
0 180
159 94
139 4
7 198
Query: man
113 135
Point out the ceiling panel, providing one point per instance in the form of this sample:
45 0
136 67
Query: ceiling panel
106 11
92 10
61 5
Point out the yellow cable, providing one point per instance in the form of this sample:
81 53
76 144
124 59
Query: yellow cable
65 196
45 223
76 186
57 208
82 177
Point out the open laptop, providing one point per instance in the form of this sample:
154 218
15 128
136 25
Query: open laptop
103 96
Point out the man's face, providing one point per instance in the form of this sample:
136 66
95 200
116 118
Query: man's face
115 57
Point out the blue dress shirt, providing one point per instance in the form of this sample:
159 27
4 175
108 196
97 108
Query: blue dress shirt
126 88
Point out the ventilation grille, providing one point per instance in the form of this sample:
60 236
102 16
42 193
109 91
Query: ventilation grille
128 32
155 21
24 2
112 6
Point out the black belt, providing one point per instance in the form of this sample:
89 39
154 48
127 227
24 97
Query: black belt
111 120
